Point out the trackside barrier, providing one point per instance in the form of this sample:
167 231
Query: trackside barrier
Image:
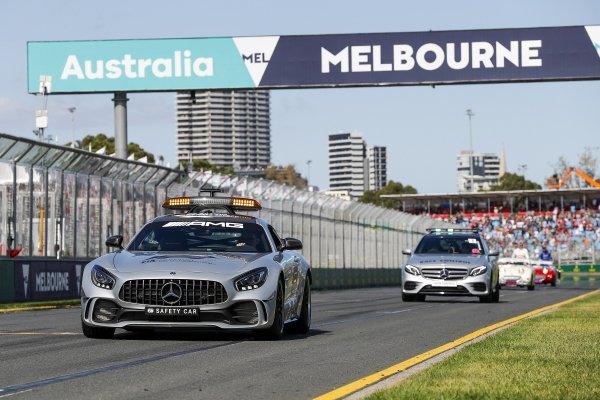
37 279
580 268
7 284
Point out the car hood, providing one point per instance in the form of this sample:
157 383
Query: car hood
217 263
447 260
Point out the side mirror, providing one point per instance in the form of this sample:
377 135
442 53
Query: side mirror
494 253
292 244
407 252
115 241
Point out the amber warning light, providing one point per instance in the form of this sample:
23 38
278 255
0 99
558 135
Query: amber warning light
189 203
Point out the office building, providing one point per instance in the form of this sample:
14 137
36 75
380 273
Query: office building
354 167
486 171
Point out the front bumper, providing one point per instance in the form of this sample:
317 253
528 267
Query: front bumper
520 281
468 286
113 313
114 308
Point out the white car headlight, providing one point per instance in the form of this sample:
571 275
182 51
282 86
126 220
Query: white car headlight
545 271
478 270
251 280
411 269
102 278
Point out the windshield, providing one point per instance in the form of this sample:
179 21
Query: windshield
450 244
195 236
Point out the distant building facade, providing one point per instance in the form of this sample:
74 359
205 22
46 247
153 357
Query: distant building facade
354 167
229 128
377 161
486 171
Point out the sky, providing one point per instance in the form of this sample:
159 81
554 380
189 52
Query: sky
424 128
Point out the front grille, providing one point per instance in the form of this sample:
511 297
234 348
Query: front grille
453 273
193 292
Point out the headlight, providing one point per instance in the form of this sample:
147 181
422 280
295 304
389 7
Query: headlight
478 270
412 269
545 271
102 278
251 280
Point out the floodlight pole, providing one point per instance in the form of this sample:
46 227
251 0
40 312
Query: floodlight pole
470 114
120 106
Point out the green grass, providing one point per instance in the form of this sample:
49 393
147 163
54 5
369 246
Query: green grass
552 356
53 303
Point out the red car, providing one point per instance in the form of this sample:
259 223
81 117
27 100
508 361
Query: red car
545 272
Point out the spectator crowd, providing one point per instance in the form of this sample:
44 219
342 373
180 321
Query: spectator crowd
567 235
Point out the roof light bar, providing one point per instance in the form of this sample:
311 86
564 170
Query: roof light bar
235 203
452 230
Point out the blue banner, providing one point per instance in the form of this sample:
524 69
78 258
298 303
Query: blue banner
47 280
414 58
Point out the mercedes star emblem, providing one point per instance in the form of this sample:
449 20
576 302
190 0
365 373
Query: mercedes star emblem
171 292
444 273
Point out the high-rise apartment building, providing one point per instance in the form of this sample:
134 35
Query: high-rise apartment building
229 128
377 159
347 155
354 167
486 171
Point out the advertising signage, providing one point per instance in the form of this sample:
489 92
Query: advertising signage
269 62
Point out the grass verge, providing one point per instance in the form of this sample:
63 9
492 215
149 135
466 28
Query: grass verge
552 356
38 305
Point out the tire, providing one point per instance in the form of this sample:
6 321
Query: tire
94 332
496 295
531 287
553 283
489 298
302 325
275 331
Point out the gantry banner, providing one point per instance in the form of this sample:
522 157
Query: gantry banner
270 62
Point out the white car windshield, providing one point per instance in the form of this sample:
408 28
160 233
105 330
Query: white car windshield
201 236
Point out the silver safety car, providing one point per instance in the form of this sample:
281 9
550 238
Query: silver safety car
206 266
451 262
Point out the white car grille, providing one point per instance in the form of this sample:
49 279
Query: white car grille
444 273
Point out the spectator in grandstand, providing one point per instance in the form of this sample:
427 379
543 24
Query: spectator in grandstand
545 254
520 251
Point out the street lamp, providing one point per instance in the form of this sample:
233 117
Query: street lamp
308 173
72 111
470 114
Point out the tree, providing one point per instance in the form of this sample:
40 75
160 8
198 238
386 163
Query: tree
588 162
203 165
287 174
373 196
99 141
510 181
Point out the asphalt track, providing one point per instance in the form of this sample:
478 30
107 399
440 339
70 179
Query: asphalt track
43 354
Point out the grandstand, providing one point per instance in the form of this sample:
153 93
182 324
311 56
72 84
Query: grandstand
444 206
566 221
